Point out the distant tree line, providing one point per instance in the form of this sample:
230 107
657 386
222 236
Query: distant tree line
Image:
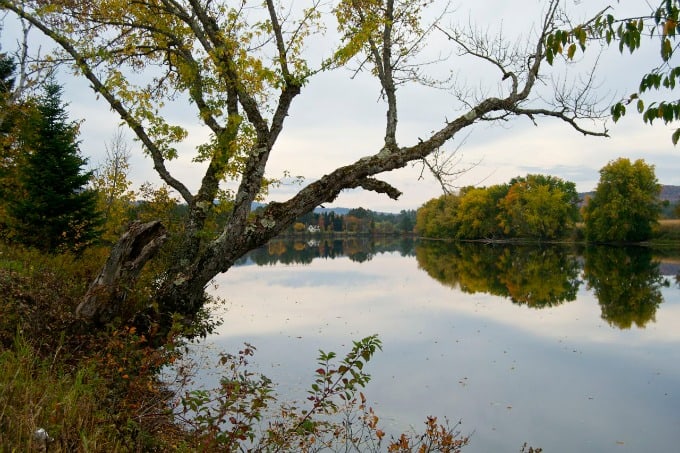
356 221
625 207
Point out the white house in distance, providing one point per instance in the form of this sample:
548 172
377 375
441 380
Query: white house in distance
314 228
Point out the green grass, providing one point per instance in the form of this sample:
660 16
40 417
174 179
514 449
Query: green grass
41 393
59 375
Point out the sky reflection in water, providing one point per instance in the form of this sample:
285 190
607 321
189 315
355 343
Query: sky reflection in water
560 377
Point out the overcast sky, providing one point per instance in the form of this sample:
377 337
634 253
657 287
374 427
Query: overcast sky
337 120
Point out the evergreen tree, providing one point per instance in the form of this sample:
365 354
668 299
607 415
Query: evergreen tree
7 69
7 120
53 210
407 221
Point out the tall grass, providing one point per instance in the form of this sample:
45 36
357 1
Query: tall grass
40 393
58 374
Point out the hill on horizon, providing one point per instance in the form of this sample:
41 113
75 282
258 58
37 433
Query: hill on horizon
668 193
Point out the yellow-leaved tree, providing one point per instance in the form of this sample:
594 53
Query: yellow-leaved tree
111 181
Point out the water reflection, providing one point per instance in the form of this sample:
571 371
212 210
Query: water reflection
358 249
626 281
511 372
534 276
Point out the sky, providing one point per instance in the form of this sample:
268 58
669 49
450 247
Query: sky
339 118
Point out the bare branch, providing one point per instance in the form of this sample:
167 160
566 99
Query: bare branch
571 120
446 167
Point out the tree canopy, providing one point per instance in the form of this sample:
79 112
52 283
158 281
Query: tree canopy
541 206
7 69
659 21
626 205
535 206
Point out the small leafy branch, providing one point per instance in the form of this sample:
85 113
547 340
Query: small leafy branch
333 392
238 415
438 437
661 24
228 416
343 381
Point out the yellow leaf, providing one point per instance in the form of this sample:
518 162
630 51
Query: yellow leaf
571 51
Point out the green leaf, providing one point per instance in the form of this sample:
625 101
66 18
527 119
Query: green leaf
668 114
666 49
581 34
676 136
640 106
618 110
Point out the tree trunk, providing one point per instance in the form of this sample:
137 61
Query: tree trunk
107 293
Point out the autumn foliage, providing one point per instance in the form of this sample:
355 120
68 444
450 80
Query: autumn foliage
532 207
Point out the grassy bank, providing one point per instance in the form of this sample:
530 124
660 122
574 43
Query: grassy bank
65 401
90 390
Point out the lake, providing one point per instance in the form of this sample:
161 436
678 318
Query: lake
568 350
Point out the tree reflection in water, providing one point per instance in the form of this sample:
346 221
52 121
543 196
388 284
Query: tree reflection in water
534 276
627 283
305 250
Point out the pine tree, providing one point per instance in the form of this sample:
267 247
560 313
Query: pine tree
7 68
7 121
54 210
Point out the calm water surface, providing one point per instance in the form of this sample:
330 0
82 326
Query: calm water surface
568 351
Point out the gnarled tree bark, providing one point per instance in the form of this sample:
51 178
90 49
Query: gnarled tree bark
106 294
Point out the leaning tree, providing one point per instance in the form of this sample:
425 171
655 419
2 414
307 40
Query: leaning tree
242 65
